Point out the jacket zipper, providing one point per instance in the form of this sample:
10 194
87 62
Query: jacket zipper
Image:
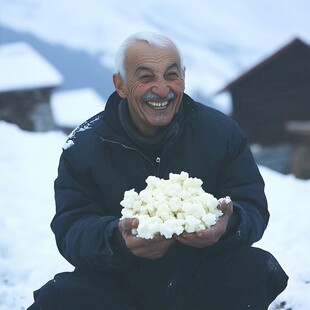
156 166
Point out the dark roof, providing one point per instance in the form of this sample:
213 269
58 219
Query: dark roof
300 130
295 43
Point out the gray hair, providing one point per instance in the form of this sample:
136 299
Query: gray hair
153 39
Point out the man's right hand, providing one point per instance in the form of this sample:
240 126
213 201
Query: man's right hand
145 248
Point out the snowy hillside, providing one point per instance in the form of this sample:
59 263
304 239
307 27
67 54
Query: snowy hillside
219 38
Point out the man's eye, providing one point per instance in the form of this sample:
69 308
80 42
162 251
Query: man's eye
172 76
146 78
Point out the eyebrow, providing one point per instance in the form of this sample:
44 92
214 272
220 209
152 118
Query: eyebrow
144 68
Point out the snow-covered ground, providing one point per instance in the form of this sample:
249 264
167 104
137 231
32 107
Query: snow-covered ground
28 254
219 39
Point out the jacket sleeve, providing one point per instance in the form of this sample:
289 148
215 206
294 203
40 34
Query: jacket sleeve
85 235
240 179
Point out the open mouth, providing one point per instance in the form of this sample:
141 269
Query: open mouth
158 105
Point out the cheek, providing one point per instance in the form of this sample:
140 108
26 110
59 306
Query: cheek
181 85
177 86
134 89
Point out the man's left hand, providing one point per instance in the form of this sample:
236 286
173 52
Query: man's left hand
208 236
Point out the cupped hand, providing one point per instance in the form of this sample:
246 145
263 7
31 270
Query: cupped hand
145 248
208 236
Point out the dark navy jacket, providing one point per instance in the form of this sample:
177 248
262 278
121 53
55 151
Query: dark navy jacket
100 162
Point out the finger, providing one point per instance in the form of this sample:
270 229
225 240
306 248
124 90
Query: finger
181 239
224 203
227 209
188 237
128 224
162 241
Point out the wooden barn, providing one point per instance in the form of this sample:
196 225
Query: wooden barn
272 94
27 81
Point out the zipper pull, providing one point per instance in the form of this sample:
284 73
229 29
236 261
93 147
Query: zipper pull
156 166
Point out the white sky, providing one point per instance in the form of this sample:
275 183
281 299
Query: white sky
219 38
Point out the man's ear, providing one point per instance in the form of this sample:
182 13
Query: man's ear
119 85
184 69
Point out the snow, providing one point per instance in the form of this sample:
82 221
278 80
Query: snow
72 107
15 61
220 40
286 236
29 256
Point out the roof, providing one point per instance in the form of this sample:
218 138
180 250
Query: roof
293 44
299 129
22 68
72 107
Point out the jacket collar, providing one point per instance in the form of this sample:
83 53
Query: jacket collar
168 133
116 124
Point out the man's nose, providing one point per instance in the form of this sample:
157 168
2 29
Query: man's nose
161 87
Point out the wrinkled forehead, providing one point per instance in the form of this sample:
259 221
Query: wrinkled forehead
141 53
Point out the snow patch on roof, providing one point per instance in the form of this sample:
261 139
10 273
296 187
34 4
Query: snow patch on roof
22 67
71 108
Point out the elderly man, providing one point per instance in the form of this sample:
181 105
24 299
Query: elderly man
151 127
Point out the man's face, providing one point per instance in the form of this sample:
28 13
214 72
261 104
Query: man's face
154 86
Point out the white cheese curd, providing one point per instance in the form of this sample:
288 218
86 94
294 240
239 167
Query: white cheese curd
172 206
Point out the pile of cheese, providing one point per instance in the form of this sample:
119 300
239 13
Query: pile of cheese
171 206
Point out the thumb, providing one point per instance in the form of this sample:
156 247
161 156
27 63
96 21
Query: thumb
128 224
226 205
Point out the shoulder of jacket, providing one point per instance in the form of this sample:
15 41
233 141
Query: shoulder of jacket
84 131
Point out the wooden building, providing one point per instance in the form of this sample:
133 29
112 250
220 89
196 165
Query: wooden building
273 93
300 133
27 81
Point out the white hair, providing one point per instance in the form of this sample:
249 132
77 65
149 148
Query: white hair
153 39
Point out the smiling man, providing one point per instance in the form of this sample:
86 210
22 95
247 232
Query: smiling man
153 84
151 127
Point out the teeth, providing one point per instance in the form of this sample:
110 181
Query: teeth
158 105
